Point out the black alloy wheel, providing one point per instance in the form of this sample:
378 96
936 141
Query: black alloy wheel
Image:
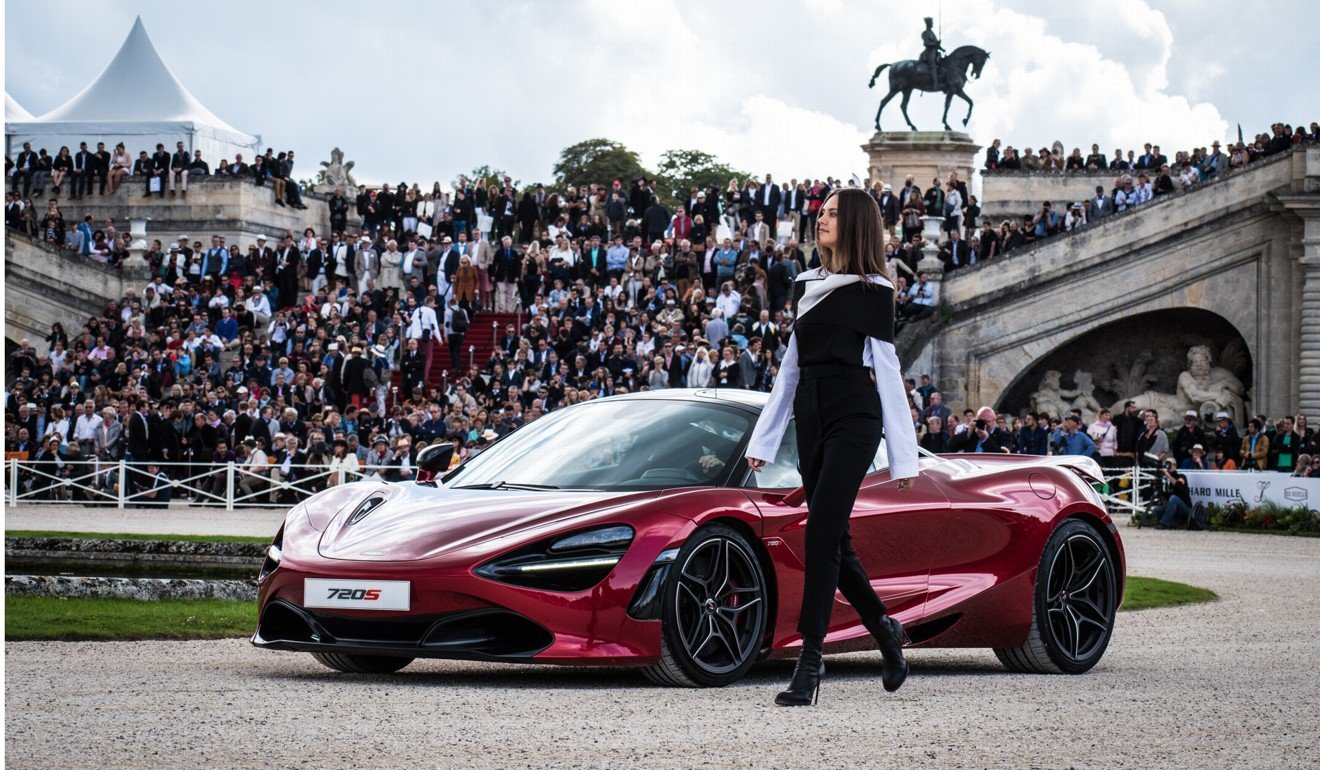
714 611
1075 604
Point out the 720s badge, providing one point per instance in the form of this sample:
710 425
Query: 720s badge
357 594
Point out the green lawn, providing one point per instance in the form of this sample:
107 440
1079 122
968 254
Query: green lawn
45 617
132 536
1144 593
48 617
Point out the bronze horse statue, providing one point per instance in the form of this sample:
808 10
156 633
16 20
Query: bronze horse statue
909 75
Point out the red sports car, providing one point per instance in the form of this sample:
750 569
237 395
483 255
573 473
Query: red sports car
629 531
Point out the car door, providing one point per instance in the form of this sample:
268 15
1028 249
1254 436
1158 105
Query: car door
894 534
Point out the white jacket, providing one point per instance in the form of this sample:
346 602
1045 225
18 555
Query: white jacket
900 438
420 319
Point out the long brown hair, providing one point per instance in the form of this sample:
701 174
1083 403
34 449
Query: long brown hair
861 235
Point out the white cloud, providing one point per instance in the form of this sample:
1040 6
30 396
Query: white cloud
511 84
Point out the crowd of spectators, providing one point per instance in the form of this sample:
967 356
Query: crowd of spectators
81 174
969 238
312 354
1134 436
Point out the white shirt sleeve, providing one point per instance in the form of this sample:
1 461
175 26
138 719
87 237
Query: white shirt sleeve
900 437
770 427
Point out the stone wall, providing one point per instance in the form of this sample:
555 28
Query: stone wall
234 208
44 285
1013 194
1232 248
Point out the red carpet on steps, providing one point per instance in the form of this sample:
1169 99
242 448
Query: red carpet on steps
480 335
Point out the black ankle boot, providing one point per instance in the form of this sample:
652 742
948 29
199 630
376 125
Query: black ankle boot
805 685
889 635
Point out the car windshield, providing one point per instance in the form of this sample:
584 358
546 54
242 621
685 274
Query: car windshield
613 444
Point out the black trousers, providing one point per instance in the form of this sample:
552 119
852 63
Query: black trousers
838 419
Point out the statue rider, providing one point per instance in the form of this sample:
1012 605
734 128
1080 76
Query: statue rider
931 53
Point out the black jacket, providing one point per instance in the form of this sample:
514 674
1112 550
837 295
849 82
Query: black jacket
966 441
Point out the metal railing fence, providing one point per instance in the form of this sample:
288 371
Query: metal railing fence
127 484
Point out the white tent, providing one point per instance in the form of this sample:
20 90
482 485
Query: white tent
139 102
14 110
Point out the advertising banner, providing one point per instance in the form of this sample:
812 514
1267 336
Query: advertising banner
1223 487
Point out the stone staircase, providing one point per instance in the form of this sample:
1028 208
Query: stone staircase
478 345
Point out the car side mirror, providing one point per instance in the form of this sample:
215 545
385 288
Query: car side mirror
797 497
433 461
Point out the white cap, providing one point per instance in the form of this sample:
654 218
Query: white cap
1191 413
1221 415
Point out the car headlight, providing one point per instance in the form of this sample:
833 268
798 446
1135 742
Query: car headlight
274 553
566 563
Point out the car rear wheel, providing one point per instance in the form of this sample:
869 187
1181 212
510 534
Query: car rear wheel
714 611
1075 602
361 664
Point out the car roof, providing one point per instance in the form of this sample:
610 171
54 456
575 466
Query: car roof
749 400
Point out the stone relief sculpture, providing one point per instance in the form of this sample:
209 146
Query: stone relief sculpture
1203 387
336 174
1048 398
1083 396
1057 401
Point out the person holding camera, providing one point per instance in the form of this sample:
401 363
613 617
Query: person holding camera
1069 439
1180 499
982 436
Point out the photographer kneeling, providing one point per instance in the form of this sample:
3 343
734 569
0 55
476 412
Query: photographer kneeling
1180 498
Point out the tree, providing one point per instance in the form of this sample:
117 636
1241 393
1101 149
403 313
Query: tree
681 170
597 161
491 175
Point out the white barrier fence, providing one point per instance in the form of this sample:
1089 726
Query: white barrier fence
1131 488
124 484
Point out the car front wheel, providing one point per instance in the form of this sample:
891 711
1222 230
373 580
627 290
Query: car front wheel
714 611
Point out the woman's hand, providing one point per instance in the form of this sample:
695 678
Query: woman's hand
755 464
903 484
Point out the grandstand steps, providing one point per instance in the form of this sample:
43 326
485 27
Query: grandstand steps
478 344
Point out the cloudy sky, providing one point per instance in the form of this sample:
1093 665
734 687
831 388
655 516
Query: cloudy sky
423 91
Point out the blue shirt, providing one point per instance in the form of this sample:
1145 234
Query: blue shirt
724 261
1076 443
616 257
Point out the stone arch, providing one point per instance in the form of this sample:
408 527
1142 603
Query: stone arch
1127 356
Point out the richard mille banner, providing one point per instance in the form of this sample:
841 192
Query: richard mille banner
1223 487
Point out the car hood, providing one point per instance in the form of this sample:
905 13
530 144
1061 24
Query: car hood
410 521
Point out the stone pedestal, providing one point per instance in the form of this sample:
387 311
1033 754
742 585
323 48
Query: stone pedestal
923 154
930 252
135 264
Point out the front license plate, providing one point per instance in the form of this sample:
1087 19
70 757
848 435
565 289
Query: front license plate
357 594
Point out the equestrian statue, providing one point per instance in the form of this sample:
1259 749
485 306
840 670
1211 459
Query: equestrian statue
933 73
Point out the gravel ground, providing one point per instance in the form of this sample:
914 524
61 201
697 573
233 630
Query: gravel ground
1232 683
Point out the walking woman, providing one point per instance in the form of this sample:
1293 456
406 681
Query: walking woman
843 335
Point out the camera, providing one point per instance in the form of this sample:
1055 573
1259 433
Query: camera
980 425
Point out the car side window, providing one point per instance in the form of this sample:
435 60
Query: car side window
783 472
881 460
